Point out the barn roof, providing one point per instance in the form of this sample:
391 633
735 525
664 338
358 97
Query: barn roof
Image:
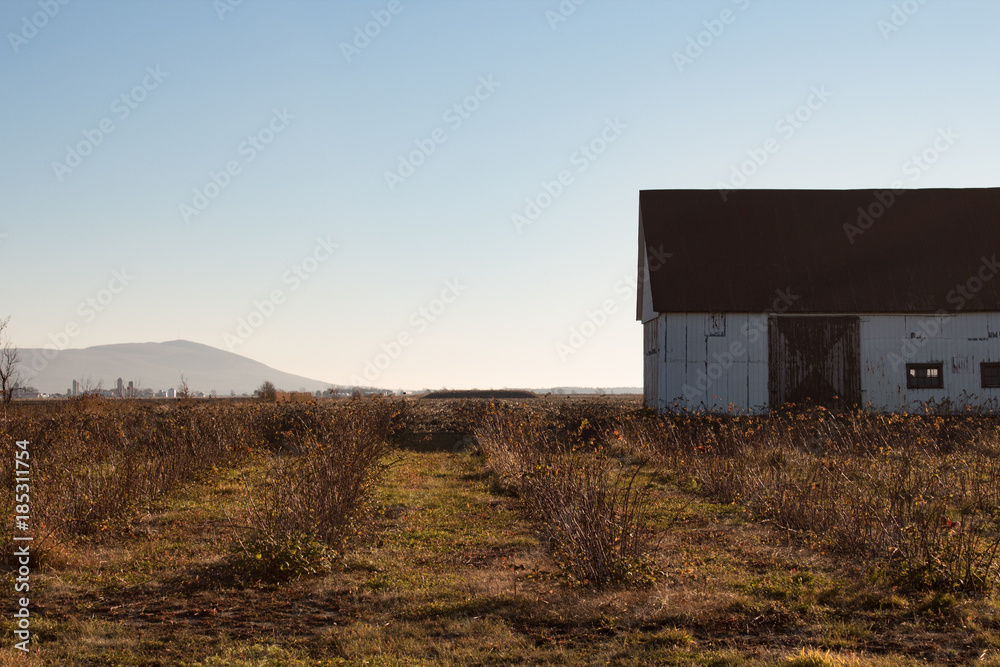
836 251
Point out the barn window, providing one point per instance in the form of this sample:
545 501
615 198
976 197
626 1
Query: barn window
990 372
924 376
716 324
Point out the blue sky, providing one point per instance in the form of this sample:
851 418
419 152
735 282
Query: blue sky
219 154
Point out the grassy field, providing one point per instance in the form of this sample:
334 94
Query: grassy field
746 551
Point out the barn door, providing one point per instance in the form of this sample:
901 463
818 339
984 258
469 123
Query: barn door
814 358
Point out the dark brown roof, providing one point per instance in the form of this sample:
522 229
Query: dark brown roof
734 254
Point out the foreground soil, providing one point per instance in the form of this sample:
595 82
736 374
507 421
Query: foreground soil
456 574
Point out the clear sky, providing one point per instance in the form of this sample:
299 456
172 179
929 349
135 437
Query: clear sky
271 163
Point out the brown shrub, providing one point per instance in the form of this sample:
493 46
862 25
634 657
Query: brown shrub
920 493
323 491
596 510
94 463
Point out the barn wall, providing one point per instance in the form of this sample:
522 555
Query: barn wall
651 343
960 342
689 364
709 362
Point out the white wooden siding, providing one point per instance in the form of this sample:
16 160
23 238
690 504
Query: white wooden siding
685 367
960 342
721 373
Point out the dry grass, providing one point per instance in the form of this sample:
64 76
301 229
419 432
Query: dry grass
302 512
94 463
919 493
596 509
453 571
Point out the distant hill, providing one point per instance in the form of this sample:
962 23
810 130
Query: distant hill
159 366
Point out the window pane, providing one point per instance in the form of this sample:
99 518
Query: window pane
990 375
924 376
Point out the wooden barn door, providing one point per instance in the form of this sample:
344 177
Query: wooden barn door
814 358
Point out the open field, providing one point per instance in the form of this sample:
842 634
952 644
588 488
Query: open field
448 535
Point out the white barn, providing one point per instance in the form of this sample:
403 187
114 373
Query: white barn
887 299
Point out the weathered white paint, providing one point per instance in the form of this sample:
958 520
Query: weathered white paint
692 363
960 342
647 295
652 363
702 361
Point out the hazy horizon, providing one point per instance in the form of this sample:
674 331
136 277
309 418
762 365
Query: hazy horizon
160 365
437 194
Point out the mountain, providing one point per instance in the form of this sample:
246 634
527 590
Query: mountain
156 366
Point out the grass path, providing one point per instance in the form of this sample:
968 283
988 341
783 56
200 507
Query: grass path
456 575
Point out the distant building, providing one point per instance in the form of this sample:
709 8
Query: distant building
171 393
26 392
752 299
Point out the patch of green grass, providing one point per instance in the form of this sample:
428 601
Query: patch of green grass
844 635
266 559
875 600
455 575
820 658
257 655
